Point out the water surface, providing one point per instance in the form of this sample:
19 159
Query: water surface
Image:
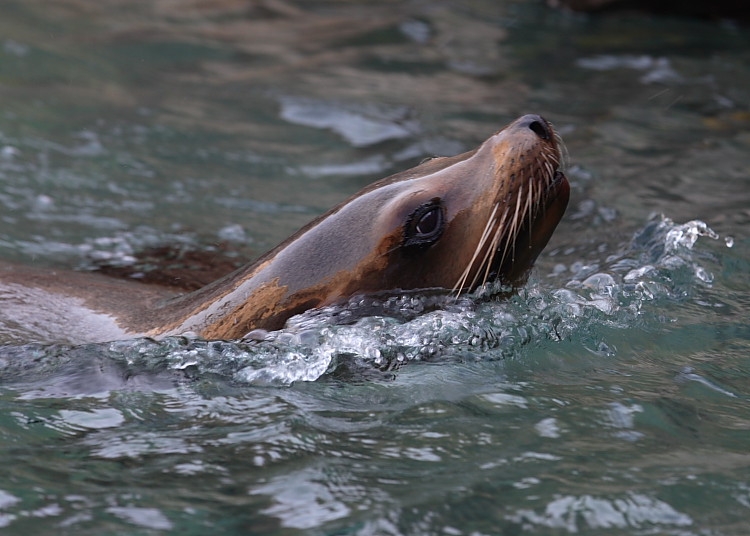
610 396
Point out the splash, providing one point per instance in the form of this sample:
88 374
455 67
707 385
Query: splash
661 265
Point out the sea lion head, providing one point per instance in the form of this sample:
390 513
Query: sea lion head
458 222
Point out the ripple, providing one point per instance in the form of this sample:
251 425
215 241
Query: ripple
149 518
575 513
361 126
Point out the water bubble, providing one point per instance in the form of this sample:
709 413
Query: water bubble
599 281
687 234
703 275
638 273
257 335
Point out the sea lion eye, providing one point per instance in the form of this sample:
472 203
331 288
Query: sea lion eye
424 225
429 222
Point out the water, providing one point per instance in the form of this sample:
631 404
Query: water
610 396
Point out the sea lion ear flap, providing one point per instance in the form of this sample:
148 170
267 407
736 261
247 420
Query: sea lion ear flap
424 225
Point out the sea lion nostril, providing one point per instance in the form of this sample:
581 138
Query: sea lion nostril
541 129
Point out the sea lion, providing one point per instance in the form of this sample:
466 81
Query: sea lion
450 223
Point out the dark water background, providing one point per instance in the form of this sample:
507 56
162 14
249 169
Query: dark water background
609 397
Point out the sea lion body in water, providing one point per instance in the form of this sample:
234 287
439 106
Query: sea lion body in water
450 223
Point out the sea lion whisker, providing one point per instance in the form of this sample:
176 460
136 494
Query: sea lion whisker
552 156
503 225
505 249
551 159
487 255
531 205
491 252
518 218
530 198
391 250
509 235
550 171
482 239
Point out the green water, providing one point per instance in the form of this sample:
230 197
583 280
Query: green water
610 396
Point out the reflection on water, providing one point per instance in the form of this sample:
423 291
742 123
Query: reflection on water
608 397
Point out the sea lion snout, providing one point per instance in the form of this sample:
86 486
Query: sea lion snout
537 124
